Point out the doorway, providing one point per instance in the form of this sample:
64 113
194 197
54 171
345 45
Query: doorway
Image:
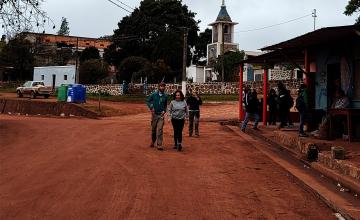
53 81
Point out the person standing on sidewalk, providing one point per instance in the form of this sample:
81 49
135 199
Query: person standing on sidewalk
252 110
302 106
283 104
273 106
178 111
157 103
290 106
194 102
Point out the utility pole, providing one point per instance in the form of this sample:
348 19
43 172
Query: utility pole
184 62
77 80
314 16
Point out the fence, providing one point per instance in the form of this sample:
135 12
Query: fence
216 88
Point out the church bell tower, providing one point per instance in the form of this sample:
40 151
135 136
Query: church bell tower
222 35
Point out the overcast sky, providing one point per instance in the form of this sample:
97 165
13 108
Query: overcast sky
95 18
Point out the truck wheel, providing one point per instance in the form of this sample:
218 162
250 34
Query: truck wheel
19 94
33 95
46 96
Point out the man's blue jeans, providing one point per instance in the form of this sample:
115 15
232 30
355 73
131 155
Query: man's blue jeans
249 115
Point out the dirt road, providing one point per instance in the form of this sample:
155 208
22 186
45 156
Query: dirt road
104 169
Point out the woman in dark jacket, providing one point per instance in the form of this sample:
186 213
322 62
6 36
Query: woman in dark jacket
283 105
273 106
194 102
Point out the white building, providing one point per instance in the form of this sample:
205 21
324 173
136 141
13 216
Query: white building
196 73
55 75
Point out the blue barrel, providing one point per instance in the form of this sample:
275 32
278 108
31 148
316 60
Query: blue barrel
79 93
71 94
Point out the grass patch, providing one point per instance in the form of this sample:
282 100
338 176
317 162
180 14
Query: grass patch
219 98
7 90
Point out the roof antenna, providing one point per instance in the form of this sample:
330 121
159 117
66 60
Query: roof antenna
223 3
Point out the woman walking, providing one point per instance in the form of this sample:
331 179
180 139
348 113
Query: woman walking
178 112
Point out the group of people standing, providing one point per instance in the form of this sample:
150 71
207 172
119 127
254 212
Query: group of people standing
279 103
178 111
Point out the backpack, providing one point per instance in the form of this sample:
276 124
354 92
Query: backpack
300 103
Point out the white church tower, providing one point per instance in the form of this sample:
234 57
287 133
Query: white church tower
222 35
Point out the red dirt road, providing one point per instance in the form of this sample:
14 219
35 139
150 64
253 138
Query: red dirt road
104 169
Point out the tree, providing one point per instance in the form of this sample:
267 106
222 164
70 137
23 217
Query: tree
161 72
93 71
132 66
63 55
64 27
22 15
2 43
18 54
201 45
155 31
353 7
231 65
89 53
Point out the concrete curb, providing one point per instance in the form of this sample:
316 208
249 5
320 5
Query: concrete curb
342 166
337 177
331 204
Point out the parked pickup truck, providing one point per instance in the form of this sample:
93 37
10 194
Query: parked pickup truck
34 88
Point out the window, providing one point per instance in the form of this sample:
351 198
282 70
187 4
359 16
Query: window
42 77
259 77
101 45
226 29
87 44
299 74
65 77
38 83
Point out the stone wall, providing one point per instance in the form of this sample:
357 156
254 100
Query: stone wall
109 89
229 88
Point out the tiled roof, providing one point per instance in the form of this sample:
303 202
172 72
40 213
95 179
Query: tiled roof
223 15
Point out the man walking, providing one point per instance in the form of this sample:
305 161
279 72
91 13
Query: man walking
302 107
194 102
252 108
157 103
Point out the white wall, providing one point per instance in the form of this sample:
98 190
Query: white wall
196 73
61 72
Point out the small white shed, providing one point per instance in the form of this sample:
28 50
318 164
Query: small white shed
196 73
55 75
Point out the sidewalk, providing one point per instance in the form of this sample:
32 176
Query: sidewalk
346 172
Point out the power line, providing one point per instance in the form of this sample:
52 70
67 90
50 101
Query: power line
262 28
119 6
125 4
